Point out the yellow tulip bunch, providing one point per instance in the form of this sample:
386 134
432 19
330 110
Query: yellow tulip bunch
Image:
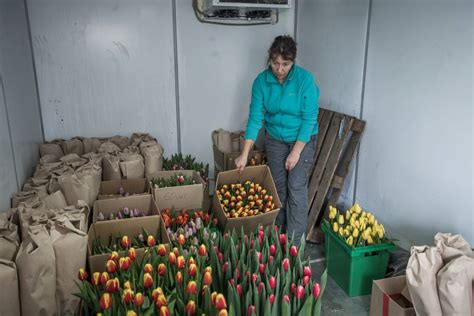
357 227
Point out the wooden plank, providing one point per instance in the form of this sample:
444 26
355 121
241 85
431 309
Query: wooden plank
331 165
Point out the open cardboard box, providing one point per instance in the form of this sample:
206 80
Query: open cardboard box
257 174
390 297
179 197
131 227
226 161
144 203
110 189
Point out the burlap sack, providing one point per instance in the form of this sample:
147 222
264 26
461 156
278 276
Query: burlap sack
111 165
153 154
9 240
73 160
48 159
120 141
91 144
138 138
55 200
94 158
131 165
10 298
423 265
70 249
52 148
36 266
26 196
73 146
108 148
451 246
455 282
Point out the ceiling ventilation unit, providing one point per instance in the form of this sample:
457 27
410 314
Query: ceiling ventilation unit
239 12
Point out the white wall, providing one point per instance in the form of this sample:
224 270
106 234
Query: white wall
217 65
20 122
415 166
105 68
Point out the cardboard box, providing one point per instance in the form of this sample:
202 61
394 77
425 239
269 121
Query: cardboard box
131 227
390 298
109 189
226 161
179 197
257 174
144 203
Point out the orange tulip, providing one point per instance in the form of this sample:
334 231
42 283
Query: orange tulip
124 263
176 251
220 302
127 285
161 301
207 279
161 269
223 312
104 277
105 301
179 277
96 278
208 269
172 258
147 280
164 311
190 308
202 250
181 239
82 274
191 287
213 298
192 270
191 261
126 242
161 250
128 296
180 262
111 266
139 299
150 241
114 256
112 285
148 268
156 292
132 254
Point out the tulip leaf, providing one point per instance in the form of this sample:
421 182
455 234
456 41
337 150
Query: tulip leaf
307 306
231 310
285 309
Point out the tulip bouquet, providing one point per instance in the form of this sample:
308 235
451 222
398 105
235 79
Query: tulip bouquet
124 243
172 181
255 161
121 214
242 200
357 227
180 162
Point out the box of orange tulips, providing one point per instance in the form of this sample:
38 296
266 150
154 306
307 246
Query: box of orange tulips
248 199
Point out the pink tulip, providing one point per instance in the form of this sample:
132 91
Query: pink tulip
316 290
272 282
272 250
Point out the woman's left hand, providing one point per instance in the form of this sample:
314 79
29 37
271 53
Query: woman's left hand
292 160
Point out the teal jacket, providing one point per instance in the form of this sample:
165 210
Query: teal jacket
290 110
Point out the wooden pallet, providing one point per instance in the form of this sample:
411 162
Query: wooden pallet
338 138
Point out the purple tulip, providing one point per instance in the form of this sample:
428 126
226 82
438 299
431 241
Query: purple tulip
121 191
126 211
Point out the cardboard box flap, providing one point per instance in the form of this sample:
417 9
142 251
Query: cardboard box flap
387 299
144 203
132 186
406 294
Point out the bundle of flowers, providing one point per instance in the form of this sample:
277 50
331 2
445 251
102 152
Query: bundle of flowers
180 162
255 161
172 181
121 214
357 227
242 200
124 243
260 274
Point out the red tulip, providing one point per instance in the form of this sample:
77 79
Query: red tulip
251 244
213 298
112 285
220 302
259 256
161 301
272 299
251 310
104 277
272 282
202 250
254 277
132 254
147 280
139 299
127 296
172 258
114 256
260 288
96 278
161 250
224 267
207 279
105 301
307 271
192 270
299 292
190 308
126 242
164 311
161 269
306 280
292 288
261 268
231 281
111 266
180 262
239 289
273 250
155 293
286 298
148 268
150 241
82 274
293 251
124 263
179 277
220 256
316 290
282 239
286 264
176 251
191 287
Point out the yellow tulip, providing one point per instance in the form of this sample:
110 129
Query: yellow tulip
340 220
364 214
335 227
348 215
350 240
341 231
369 240
355 233
357 224
380 232
357 208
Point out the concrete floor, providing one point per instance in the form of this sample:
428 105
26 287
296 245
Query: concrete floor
335 300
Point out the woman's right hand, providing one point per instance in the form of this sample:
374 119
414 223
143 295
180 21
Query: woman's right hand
241 161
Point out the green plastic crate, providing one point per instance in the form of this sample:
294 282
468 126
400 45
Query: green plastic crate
354 269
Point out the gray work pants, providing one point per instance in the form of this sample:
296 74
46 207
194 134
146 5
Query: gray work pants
292 186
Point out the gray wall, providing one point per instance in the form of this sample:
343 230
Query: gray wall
20 123
415 163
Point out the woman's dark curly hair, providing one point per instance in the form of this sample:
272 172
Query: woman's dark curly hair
283 45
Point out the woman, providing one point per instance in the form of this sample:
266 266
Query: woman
285 96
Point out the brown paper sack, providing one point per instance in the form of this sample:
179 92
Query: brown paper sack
94 158
73 160
222 140
26 196
111 165
30 217
36 266
83 185
452 246
73 146
48 159
153 154
36 184
61 170
52 148
423 265
55 200
43 170
132 165
109 148
77 214
121 141
91 144
237 140
9 240
138 138
455 287
10 298
70 247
